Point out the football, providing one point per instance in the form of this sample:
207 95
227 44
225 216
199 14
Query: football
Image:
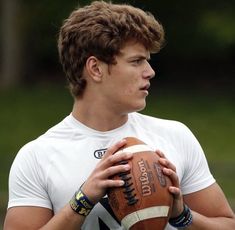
144 202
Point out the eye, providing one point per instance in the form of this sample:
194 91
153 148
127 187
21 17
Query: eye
137 61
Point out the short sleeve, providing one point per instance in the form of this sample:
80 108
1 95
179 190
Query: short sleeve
197 175
27 181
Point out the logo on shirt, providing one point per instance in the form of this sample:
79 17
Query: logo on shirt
99 153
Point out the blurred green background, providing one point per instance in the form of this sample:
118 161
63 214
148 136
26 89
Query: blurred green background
195 77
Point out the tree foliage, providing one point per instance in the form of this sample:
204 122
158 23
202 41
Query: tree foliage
197 32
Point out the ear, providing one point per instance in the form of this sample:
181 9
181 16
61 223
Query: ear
94 68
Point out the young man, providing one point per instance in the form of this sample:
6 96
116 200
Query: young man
104 49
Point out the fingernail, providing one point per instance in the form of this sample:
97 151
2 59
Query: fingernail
127 167
122 183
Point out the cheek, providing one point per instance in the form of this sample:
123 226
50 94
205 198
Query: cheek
129 88
127 91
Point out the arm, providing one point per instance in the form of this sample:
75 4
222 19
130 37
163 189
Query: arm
209 206
30 218
210 209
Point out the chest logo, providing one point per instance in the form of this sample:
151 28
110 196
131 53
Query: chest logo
99 153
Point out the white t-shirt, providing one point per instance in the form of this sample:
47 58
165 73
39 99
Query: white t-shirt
47 171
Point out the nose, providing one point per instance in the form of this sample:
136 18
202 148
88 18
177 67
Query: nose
148 72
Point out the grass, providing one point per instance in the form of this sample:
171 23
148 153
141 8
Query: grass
28 112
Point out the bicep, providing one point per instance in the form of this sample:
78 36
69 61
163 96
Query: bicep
210 202
27 218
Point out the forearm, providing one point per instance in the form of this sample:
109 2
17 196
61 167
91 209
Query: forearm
65 219
211 223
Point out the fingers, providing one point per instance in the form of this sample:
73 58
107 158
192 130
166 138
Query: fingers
175 192
160 153
114 148
112 165
99 181
167 164
164 161
169 170
111 171
111 158
101 177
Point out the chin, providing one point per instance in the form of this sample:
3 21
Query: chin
135 106
140 107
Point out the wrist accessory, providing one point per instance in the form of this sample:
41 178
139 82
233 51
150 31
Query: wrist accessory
183 220
80 203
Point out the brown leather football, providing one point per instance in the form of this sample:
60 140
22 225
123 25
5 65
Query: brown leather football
144 202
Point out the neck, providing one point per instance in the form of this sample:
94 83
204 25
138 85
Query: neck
97 116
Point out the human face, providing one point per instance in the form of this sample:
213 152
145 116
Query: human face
127 82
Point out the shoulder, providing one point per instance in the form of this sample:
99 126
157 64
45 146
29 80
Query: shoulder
62 130
163 126
42 148
165 132
27 159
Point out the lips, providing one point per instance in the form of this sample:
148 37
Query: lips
145 87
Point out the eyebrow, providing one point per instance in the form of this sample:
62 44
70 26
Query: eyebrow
139 56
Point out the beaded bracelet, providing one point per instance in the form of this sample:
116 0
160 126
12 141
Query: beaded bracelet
183 220
80 203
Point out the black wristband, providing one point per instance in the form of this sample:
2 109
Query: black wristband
183 220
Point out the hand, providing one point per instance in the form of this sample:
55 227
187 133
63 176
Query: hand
99 180
170 170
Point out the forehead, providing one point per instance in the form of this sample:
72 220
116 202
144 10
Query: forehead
132 49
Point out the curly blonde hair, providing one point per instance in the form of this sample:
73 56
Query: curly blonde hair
101 29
